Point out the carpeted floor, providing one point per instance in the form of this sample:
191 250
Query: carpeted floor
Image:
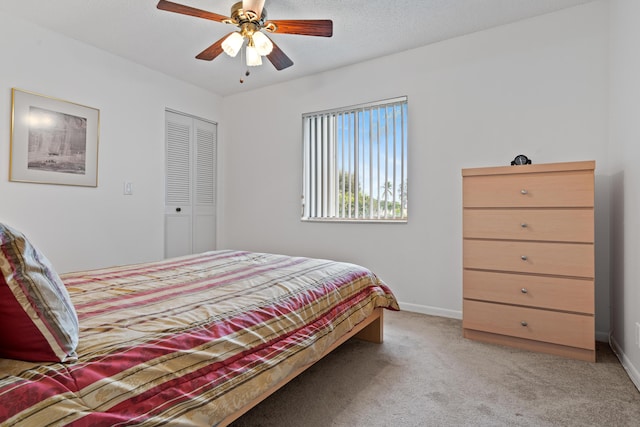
426 374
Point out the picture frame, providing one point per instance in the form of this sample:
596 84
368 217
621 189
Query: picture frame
53 141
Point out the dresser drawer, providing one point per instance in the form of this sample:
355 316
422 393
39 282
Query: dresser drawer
564 259
574 330
555 293
560 225
549 189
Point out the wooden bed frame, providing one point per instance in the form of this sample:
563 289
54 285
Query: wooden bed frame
370 329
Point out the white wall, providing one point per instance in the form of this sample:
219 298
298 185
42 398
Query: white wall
625 181
538 87
81 227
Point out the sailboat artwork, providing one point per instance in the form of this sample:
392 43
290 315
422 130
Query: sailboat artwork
57 141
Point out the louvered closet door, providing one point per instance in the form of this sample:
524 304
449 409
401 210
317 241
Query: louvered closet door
204 177
190 204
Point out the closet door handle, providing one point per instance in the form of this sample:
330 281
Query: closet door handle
178 209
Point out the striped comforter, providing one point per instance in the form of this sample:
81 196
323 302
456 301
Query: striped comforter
191 340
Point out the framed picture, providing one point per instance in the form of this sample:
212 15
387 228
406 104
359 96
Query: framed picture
53 141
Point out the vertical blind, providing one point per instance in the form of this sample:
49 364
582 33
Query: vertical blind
355 163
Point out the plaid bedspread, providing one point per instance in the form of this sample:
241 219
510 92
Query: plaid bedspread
190 340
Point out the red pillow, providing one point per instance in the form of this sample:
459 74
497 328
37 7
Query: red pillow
37 319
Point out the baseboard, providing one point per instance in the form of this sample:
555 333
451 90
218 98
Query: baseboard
432 311
632 371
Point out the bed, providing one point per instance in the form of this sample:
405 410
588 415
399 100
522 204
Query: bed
192 341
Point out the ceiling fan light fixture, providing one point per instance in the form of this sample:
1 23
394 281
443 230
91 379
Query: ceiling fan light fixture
253 57
232 44
263 45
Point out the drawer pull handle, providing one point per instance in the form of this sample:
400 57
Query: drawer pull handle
524 290
524 225
523 257
523 323
523 191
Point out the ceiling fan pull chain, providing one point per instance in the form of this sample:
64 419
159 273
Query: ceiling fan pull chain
246 73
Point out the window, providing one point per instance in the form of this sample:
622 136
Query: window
355 163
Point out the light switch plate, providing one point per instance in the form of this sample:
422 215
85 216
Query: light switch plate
128 188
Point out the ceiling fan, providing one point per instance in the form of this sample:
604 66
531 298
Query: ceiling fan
250 17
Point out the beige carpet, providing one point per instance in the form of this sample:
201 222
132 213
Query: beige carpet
426 374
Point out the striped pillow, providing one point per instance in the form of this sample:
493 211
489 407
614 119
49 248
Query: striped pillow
37 319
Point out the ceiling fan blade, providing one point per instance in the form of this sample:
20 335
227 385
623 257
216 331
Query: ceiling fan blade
254 6
212 51
191 11
278 58
305 27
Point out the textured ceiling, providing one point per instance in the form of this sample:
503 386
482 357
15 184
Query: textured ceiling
363 29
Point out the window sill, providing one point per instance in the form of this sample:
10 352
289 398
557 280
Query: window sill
356 221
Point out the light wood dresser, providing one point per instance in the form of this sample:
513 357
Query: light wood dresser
528 257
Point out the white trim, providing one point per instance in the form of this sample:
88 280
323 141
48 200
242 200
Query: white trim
632 371
432 311
171 110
